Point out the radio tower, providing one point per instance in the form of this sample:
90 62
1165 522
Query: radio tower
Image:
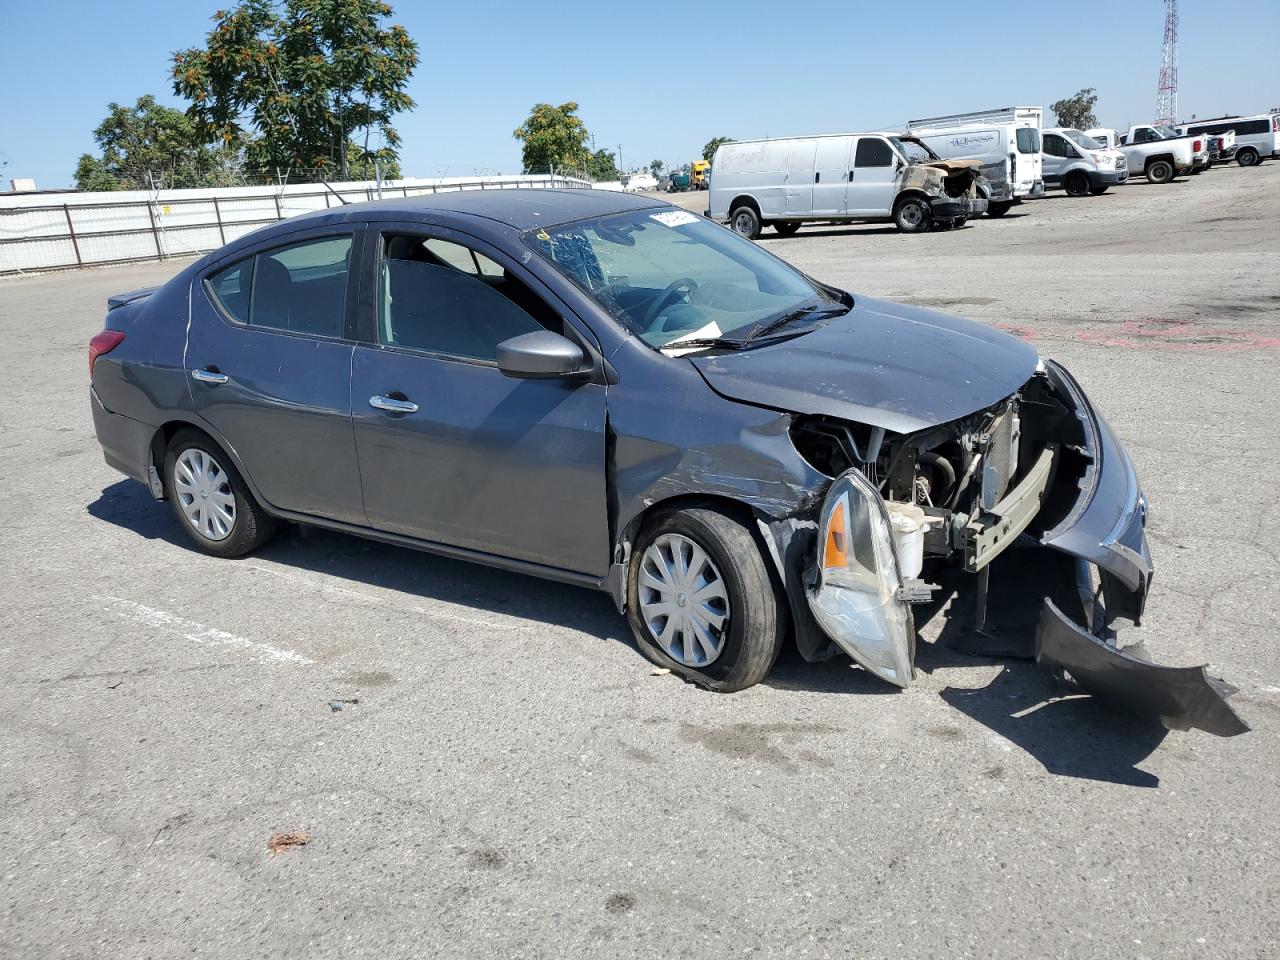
1167 91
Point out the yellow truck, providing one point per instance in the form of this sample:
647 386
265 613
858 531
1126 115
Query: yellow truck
700 175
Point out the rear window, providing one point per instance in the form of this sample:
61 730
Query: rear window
230 286
1028 140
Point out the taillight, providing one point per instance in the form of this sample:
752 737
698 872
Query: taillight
103 342
1196 146
1275 123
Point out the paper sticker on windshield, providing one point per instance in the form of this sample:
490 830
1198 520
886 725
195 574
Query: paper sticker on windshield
674 218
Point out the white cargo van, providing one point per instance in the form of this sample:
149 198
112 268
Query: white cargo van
1006 139
1257 137
840 177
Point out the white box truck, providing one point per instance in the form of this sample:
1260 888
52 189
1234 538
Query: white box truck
1006 140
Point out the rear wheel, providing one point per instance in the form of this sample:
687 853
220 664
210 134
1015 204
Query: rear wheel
1248 157
786 228
1159 171
998 208
745 222
210 498
1076 184
701 602
913 215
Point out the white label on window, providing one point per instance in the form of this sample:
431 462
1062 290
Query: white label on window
674 218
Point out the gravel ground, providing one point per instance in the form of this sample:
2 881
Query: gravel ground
483 764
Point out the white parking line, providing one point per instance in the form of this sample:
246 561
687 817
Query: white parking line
195 631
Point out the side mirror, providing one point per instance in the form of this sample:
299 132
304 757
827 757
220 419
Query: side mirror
540 355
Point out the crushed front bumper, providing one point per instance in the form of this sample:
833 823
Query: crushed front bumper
953 208
1106 532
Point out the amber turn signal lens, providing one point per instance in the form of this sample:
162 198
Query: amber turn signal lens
836 551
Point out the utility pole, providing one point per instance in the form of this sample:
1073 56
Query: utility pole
621 168
1167 89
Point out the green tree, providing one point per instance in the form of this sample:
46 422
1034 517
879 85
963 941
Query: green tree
656 167
553 136
1077 111
150 146
709 150
301 84
602 165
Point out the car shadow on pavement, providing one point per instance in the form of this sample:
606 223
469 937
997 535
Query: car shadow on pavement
1069 735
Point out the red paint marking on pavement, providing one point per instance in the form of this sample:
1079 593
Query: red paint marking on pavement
1022 333
1184 336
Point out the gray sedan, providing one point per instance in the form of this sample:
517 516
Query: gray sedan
609 391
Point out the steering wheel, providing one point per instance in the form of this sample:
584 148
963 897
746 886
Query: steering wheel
687 284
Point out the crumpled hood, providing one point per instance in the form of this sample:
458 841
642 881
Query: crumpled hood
884 364
955 166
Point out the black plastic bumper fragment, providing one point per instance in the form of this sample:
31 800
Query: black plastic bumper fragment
1182 697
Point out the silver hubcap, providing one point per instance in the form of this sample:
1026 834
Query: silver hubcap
204 492
683 600
743 224
912 214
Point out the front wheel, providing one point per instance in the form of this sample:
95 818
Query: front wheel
1247 158
1161 171
786 228
998 208
913 215
745 222
210 498
701 602
1077 185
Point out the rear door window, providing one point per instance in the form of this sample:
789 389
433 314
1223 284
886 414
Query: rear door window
1028 140
302 287
230 287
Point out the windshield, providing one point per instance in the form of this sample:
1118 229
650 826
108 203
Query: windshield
667 275
913 150
1167 132
1080 140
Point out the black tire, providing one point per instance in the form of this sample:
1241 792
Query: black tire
1247 157
959 222
745 222
252 526
1159 171
757 623
998 208
1076 184
1100 190
913 215
786 228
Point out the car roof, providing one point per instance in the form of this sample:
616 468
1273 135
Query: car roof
518 208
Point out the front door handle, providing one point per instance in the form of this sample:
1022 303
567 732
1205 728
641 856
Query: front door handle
392 405
212 377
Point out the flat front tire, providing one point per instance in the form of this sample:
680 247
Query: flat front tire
210 498
745 222
786 228
998 208
913 215
701 601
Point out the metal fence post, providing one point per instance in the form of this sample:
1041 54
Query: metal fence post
279 214
71 230
217 212
155 234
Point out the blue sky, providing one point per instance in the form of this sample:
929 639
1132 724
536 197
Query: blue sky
662 89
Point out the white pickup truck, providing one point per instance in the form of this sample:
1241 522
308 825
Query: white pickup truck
1159 153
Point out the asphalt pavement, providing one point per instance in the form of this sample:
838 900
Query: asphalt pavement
483 765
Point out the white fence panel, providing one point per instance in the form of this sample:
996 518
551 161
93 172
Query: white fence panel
47 232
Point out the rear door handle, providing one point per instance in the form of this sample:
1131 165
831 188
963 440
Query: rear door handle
392 405
212 377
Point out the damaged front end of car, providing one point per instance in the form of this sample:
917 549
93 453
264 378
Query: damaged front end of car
1038 467
952 187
